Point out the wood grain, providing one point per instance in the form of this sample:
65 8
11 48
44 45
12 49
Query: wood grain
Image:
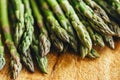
69 66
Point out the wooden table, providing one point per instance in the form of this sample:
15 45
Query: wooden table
69 66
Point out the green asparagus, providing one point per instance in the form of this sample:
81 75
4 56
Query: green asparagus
64 22
101 13
58 44
2 59
41 61
109 41
53 23
19 24
98 10
80 29
43 36
93 54
108 9
15 58
83 51
27 37
96 37
86 11
115 5
27 60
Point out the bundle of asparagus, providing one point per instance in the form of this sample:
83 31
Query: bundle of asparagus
64 22
81 24
111 7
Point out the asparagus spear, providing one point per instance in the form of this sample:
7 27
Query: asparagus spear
97 9
15 58
115 5
42 61
43 36
27 37
108 9
96 37
101 13
83 51
2 59
109 41
19 24
78 26
55 27
86 11
57 43
93 54
64 22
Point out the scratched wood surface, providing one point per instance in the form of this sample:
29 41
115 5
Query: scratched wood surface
69 66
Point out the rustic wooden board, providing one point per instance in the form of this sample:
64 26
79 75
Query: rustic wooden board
69 66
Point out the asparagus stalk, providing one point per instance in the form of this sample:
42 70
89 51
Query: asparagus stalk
57 43
19 24
83 51
115 5
64 22
43 36
101 13
93 54
97 9
85 10
54 26
96 37
15 58
108 9
27 37
109 41
41 61
80 29
2 59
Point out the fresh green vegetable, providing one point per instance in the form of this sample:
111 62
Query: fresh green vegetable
19 23
86 11
101 13
44 41
15 63
54 26
80 29
27 37
41 61
2 59
110 10
64 22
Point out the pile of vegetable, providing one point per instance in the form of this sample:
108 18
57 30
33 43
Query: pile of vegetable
31 28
